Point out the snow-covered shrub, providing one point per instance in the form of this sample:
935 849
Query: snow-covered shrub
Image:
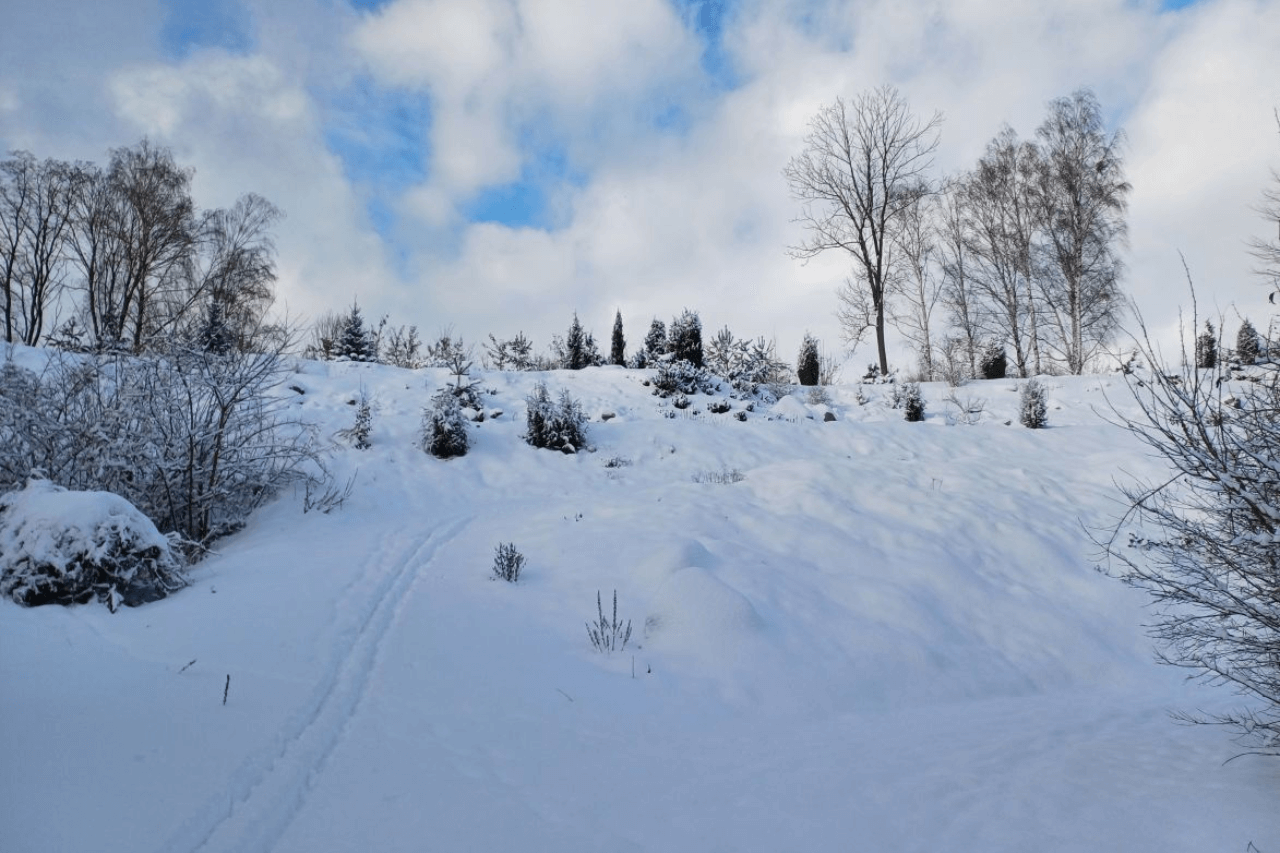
608 635
719 407
559 425
1033 410
993 363
507 562
64 547
682 377
444 428
907 396
195 440
1205 544
818 396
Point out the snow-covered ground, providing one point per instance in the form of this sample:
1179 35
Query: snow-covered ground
884 637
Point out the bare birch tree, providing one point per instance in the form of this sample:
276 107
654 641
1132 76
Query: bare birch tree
1082 197
855 179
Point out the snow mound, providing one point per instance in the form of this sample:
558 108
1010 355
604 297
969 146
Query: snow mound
696 611
64 547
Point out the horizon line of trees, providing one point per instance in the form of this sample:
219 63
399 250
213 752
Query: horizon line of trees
1020 251
119 258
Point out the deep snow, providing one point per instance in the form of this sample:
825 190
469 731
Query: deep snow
885 636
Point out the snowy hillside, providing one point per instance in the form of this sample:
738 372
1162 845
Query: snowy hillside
859 634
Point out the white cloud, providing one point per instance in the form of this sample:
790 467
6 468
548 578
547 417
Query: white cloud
655 220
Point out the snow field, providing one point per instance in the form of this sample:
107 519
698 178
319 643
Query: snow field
886 636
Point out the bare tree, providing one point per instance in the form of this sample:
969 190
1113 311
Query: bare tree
156 230
1001 229
918 279
1267 252
234 272
1082 198
862 165
1202 541
957 292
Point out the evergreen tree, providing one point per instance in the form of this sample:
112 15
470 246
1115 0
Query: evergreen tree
618 349
575 346
655 343
993 363
444 429
1247 348
1207 348
215 337
354 343
685 339
807 366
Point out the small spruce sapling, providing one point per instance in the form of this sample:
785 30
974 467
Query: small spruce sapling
364 423
1247 347
912 401
1207 348
1032 405
808 367
993 363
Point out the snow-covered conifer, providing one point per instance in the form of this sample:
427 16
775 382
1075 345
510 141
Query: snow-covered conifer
1033 409
354 343
444 429
1207 348
808 366
685 338
1247 347
618 345
993 363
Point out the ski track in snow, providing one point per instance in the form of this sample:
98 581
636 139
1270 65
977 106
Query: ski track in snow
264 795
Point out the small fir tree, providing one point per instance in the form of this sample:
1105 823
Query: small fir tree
1207 348
363 425
1247 346
993 364
618 346
354 343
1033 409
685 338
575 346
444 429
808 365
215 336
655 343
912 401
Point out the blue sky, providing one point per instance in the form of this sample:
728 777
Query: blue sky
499 164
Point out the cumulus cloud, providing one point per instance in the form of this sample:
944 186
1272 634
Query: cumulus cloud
659 179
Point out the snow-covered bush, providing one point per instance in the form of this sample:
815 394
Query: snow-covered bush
195 440
64 547
1206 544
444 429
559 425
507 562
681 377
1032 407
907 396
